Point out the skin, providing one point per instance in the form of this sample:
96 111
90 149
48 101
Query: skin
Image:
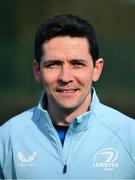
67 72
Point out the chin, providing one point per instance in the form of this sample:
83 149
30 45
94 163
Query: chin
67 108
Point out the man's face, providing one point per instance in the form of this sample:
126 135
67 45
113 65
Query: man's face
67 71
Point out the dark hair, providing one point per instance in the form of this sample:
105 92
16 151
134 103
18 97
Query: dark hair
63 25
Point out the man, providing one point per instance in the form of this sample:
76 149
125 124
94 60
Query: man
70 134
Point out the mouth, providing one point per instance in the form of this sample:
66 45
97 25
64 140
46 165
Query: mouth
67 91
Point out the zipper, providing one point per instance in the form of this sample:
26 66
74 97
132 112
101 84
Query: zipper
65 167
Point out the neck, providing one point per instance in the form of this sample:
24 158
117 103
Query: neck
63 116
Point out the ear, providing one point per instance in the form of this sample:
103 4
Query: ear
97 69
36 71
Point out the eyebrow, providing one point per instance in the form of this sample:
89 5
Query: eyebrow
60 61
78 60
47 62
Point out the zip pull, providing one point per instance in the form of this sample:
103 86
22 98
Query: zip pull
65 169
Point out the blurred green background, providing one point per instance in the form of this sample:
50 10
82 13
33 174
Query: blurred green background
114 21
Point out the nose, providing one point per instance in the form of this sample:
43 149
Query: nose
65 75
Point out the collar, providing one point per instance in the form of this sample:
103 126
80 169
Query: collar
82 121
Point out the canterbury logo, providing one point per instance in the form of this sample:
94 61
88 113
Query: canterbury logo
30 159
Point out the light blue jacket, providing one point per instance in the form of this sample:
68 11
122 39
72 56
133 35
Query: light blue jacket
99 144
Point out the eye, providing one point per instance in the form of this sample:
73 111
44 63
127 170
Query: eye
52 65
78 65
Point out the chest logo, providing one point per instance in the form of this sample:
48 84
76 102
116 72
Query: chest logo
106 159
29 161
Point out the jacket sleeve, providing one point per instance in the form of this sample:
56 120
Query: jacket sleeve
4 148
1 157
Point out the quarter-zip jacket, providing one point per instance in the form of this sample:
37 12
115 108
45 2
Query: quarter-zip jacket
99 144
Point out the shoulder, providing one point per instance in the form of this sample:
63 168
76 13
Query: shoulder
115 120
114 116
17 124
